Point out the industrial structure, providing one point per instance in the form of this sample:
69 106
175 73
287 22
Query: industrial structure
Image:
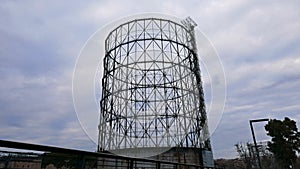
152 95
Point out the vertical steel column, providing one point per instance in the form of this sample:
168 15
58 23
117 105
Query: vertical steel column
254 139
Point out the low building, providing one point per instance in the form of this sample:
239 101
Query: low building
20 160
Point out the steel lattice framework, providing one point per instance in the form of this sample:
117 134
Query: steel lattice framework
152 92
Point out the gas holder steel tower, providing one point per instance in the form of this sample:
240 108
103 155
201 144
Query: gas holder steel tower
152 95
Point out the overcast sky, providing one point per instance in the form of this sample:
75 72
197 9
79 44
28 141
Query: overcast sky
257 42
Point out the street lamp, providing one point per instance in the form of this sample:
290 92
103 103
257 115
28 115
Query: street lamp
254 140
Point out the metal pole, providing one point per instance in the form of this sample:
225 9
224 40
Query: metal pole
255 144
254 139
158 165
131 164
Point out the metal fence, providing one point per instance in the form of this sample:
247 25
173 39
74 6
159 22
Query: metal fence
49 157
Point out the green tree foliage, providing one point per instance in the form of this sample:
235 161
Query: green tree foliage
285 141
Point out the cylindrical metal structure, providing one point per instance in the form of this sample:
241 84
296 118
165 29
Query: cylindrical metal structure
152 92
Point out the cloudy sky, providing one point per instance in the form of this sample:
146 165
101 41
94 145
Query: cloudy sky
257 42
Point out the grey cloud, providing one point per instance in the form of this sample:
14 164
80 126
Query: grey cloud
257 43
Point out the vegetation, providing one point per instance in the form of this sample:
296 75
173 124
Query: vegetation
279 153
247 153
67 161
238 163
285 141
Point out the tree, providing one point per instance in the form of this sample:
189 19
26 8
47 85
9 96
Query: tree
244 154
285 141
247 153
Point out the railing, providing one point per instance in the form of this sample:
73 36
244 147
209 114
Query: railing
70 158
